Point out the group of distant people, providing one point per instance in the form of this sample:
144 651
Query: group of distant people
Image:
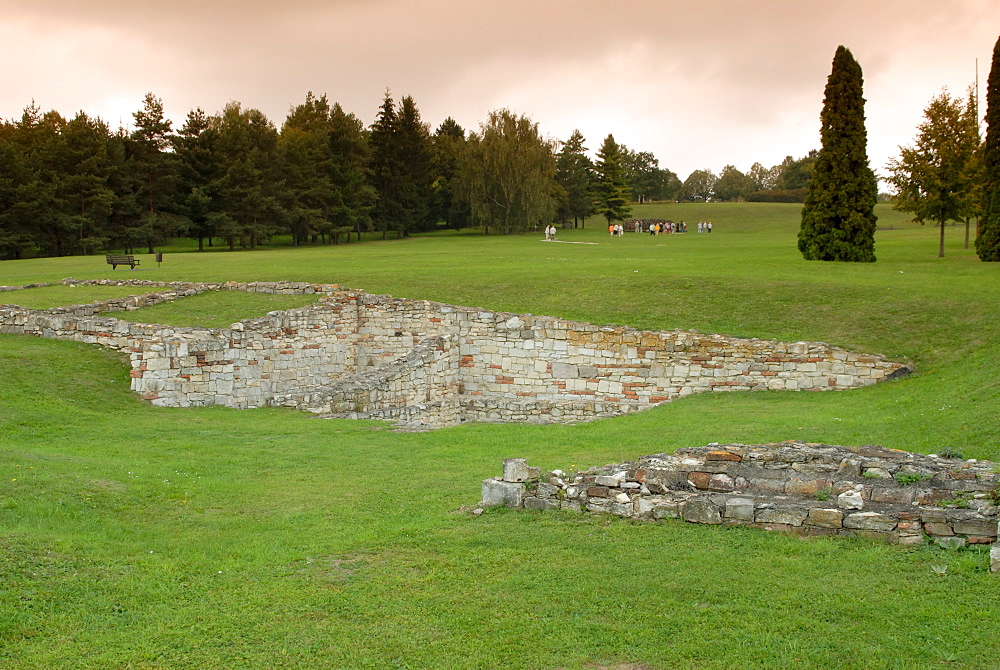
651 226
665 227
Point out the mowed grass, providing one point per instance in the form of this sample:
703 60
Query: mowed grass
135 536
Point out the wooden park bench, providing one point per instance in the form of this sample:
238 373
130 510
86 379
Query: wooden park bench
114 260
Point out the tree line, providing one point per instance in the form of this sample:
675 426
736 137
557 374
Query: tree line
234 179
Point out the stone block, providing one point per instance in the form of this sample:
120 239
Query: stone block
699 480
893 495
804 487
910 540
825 518
667 509
508 494
850 500
933 516
790 516
721 482
768 485
869 521
531 502
740 509
517 470
701 511
614 480
940 529
599 505
723 456
622 509
995 558
547 490
975 527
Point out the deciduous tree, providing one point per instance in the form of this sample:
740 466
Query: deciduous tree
700 186
935 179
507 173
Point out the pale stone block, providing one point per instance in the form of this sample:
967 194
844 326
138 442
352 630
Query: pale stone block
517 470
793 516
508 494
741 509
869 521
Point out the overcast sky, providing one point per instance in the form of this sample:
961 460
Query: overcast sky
701 84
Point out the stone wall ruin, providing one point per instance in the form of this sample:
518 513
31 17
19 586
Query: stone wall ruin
425 364
806 489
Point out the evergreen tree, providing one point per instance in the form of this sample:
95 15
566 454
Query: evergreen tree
155 172
387 170
415 156
198 168
611 190
575 174
304 154
988 239
838 218
447 145
354 198
84 171
246 187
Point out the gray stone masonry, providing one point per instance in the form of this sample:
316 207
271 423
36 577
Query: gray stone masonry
791 486
425 364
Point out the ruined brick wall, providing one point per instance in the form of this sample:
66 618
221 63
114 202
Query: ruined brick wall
808 489
362 355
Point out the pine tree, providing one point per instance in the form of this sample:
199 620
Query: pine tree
387 169
988 240
198 167
838 218
575 174
354 196
447 143
612 192
155 173
415 155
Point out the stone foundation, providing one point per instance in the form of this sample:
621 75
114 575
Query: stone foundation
426 364
807 489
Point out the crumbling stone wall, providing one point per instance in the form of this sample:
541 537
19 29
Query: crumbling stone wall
808 489
430 364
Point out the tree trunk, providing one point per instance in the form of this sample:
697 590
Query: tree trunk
941 243
966 232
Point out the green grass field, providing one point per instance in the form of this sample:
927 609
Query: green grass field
142 537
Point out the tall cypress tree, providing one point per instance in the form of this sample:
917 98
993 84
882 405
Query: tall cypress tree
838 219
988 240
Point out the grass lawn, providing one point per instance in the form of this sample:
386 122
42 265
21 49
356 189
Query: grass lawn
136 536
